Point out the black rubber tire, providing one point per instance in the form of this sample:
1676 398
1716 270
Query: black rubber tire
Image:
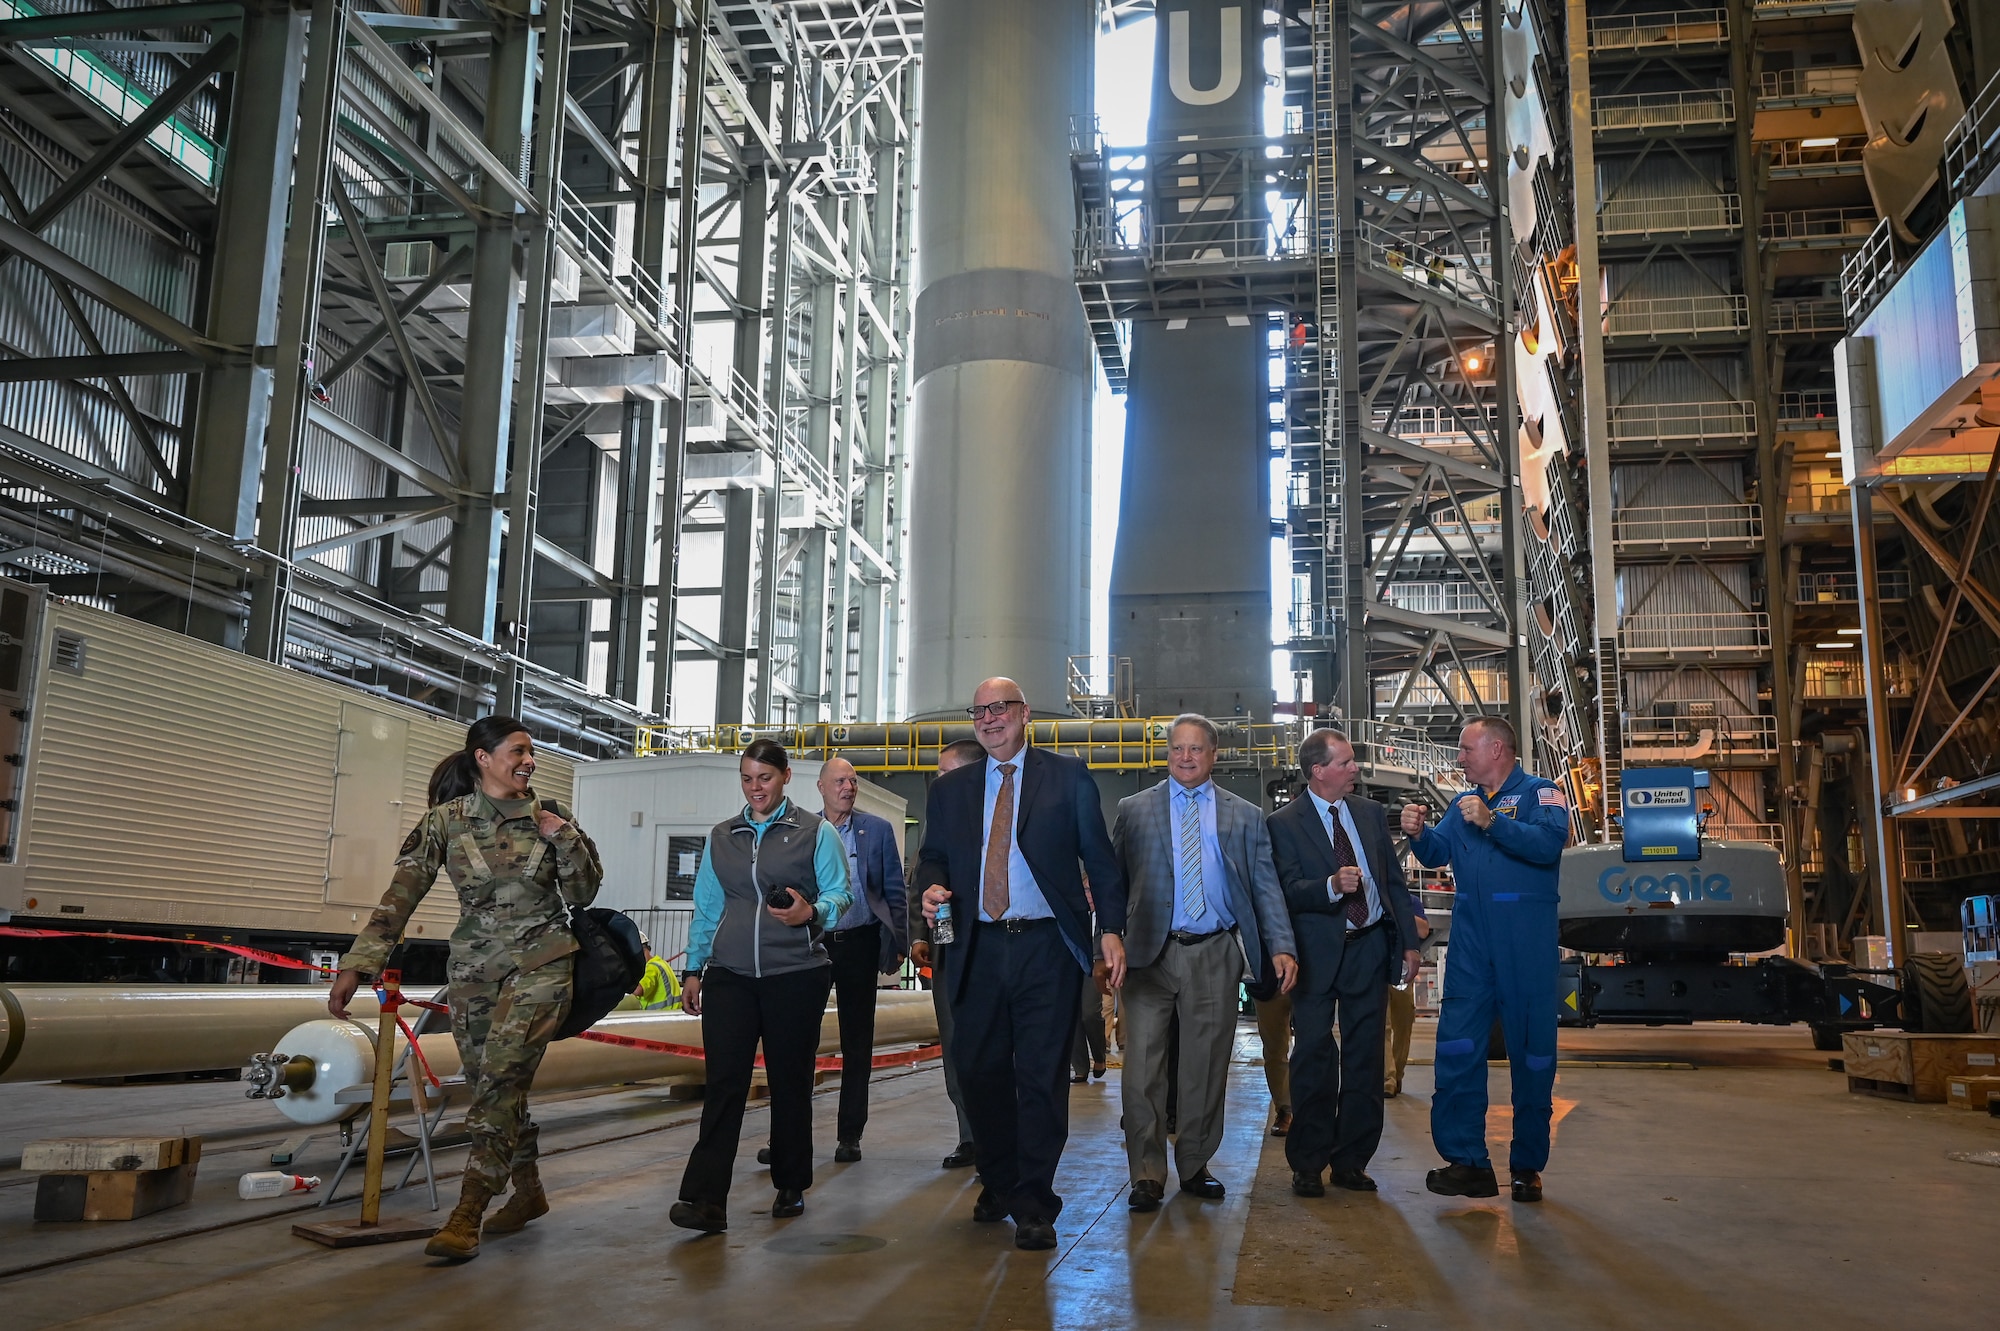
1826 1038
1943 998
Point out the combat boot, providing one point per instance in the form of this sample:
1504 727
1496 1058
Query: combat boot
459 1239
528 1202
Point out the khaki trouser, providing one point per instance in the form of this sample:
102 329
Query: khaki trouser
1274 1028
1396 1032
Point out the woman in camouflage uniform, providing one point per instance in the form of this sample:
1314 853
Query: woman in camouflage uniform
518 864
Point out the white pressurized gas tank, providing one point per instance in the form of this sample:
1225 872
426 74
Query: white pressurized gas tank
1732 899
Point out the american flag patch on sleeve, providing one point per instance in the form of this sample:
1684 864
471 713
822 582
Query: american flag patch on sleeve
1551 795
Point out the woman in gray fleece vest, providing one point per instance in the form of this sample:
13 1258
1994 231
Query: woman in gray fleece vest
772 879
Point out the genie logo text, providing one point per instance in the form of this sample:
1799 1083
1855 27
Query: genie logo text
1614 884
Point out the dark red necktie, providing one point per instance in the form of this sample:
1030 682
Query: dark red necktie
1345 858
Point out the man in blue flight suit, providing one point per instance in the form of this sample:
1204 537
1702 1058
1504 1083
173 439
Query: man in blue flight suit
1503 840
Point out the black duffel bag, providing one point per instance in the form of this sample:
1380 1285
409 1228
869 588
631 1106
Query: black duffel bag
610 958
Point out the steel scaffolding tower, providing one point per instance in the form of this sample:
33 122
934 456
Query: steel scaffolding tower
431 345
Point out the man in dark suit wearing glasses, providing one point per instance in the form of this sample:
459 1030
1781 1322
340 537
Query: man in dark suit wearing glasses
1007 842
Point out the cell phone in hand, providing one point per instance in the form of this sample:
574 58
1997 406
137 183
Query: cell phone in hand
779 898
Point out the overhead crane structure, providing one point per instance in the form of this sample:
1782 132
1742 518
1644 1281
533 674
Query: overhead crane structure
588 293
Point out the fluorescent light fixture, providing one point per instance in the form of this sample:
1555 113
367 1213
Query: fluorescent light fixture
1852 633
1832 646
1819 143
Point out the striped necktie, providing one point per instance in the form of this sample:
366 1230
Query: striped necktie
1194 901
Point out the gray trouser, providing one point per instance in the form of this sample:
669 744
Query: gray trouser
942 1004
1197 982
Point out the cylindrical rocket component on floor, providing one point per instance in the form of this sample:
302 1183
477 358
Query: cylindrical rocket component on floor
58 1032
1191 579
343 1054
999 501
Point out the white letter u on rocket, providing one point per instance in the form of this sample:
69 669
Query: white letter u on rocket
1231 74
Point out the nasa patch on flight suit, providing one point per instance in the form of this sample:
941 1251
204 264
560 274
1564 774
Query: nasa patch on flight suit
1508 805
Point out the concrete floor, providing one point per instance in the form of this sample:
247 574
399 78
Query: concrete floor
1718 1177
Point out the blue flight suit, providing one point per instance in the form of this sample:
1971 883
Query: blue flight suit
1502 952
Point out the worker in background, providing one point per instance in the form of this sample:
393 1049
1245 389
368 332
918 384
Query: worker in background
870 938
1274 1035
518 864
1503 840
950 758
1203 907
771 879
659 988
1403 1013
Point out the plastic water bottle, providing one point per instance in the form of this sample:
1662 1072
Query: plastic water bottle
941 930
273 1183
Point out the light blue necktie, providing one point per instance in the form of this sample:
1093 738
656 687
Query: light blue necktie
1194 901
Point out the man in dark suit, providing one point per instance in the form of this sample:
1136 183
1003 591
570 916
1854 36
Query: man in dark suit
870 939
1356 934
1007 843
1203 907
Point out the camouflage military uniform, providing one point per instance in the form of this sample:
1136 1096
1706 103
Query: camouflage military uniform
510 954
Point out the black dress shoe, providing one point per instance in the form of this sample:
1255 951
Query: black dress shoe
1463 1181
790 1202
960 1157
988 1209
1078 1078
1146 1195
1034 1236
1205 1186
699 1215
846 1153
1527 1185
763 1155
1354 1180
1307 1185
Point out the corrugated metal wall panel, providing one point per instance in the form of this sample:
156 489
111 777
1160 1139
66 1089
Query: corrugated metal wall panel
1733 691
1664 277
174 782
1674 484
1676 588
1675 379
1662 176
158 793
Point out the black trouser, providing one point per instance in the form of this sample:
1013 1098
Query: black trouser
1016 1016
857 960
1089 1048
737 1011
1337 1086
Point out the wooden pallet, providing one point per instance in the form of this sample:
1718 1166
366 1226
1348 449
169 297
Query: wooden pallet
1913 1066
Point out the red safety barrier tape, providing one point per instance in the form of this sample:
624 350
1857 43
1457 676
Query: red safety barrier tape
830 1063
257 954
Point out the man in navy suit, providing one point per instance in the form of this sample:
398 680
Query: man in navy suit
1357 935
1007 842
870 939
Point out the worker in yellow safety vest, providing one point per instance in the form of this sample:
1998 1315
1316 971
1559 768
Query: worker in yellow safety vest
659 988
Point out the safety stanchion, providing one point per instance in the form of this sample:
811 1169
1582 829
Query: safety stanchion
371 1228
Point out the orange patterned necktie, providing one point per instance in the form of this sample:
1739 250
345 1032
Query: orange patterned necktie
994 896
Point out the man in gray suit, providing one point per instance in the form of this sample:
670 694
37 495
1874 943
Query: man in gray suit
1204 905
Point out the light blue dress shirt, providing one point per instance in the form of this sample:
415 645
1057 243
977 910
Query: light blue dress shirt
1360 858
1214 886
860 913
1024 895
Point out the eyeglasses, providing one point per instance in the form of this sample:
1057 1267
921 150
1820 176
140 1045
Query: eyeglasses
978 710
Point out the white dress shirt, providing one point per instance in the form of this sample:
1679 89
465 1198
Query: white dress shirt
1326 814
1024 895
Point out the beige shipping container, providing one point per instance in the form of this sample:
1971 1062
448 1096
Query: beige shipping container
171 782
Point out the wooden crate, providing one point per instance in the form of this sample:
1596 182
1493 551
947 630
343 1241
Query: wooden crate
112 1194
1908 1065
1970 1092
85 1155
